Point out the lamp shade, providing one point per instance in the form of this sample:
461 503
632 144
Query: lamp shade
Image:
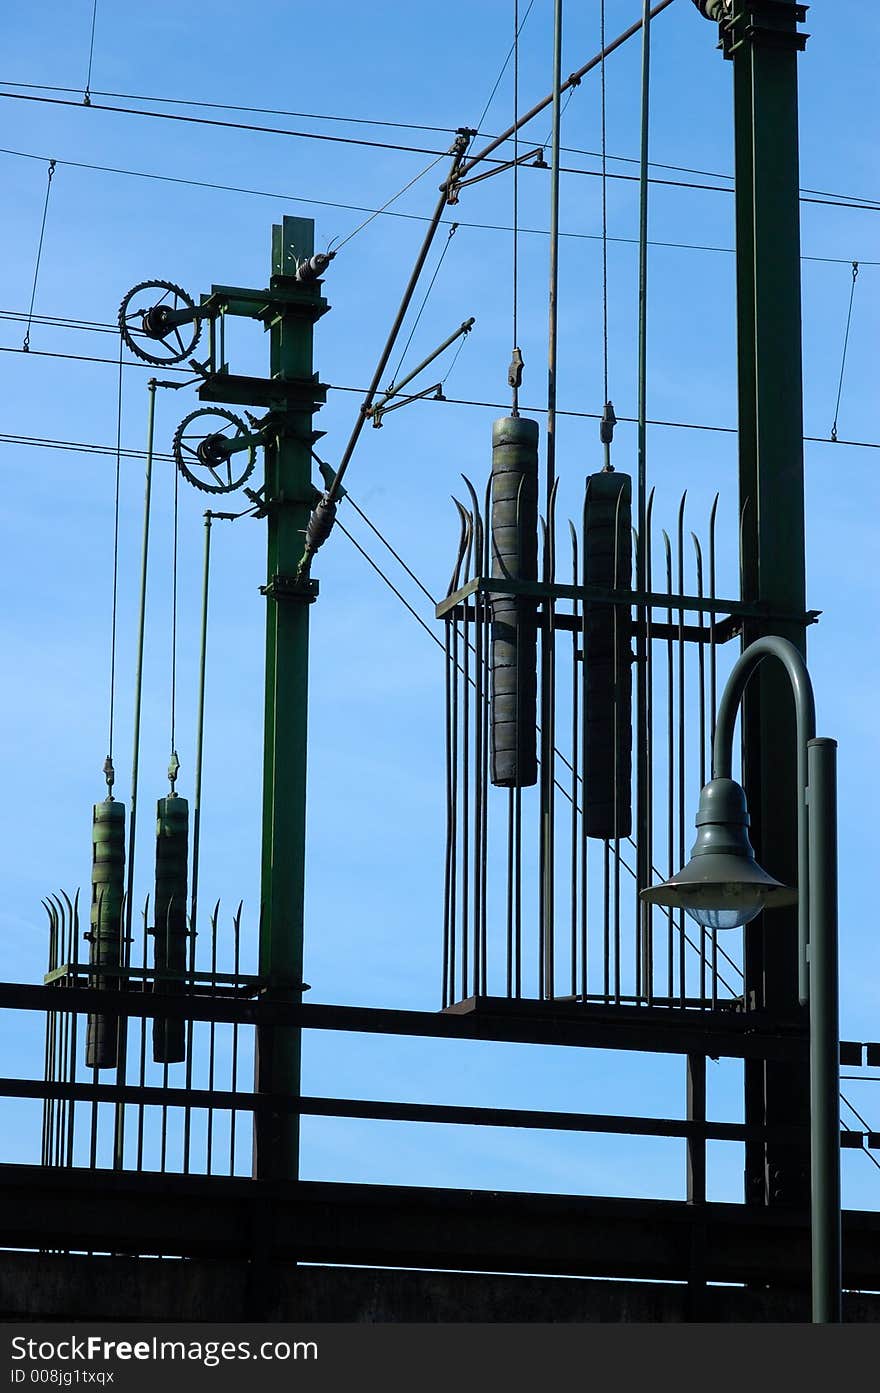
722 886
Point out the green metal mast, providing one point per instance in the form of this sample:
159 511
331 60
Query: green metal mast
287 500
761 39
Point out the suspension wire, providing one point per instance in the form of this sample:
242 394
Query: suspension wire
604 203
516 365
393 199
553 295
512 52
174 765
852 291
461 343
87 94
453 228
609 421
109 772
27 333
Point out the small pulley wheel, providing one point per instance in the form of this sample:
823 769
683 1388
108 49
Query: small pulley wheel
146 323
202 450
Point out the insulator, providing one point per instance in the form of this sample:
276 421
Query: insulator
170 931
321 522
106 927
313 266
608 658
514 548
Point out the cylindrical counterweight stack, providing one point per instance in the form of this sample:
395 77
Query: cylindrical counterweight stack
106 932
170 931
608 658
514 556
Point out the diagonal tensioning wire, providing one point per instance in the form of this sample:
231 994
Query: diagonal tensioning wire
87 94
510 53
453 228
393 199
27 333
852 291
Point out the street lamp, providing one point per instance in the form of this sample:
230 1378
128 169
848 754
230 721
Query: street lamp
722 887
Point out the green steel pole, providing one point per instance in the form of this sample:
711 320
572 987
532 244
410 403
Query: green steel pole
827 1277
288 500
763 42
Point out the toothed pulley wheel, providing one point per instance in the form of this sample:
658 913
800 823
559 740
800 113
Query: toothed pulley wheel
154 322
215 450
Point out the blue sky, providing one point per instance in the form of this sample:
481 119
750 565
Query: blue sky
375 791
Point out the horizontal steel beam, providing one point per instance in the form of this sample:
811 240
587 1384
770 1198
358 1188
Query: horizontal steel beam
698 604
401 1226
379 1111
659 1030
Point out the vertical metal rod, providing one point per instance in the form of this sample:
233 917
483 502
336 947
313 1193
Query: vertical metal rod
552 322
585 859
701 677
647 829
142 1073
546 869
617 680
696 1112
236 964
670 768
517 914
212 1037
824 1032
453 805
479 788
713 698
484 873
46 1101
575 733
644 810
119 1126
197 827
549 767
163 986
682 752
448 926
74 1062
465 779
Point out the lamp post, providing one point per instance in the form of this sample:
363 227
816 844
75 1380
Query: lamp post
722 887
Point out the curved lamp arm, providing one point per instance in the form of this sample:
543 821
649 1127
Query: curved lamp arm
792 660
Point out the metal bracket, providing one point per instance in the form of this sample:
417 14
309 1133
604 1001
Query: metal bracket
301 588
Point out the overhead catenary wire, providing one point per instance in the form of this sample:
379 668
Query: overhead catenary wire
95 448
867 205
27 333
403 125
852 291
408 216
